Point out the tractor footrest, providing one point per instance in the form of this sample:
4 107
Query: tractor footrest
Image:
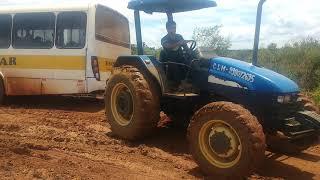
181 95
291 125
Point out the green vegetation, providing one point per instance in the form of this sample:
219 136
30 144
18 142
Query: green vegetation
299 59
210 37
316 95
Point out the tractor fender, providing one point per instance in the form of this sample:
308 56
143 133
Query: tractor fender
148 66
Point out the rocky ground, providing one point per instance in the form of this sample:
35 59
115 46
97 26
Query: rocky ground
69 138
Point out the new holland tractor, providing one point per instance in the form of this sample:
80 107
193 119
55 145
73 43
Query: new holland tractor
234 109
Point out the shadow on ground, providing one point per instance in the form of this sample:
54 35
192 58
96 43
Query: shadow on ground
66 103
274 166
174 141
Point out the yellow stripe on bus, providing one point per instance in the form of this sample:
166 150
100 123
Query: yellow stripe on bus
52 62
105 64
43 62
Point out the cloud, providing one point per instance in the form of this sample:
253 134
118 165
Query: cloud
282 20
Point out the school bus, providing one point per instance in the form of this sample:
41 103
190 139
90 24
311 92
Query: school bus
59 49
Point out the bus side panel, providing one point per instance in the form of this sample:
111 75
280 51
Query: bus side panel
51 86
36 72
46 54
23 86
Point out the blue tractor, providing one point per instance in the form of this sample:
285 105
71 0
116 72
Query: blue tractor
234 109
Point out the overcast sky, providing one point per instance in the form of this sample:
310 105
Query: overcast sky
282 20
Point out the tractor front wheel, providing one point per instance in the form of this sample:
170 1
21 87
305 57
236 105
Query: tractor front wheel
132 104
226 140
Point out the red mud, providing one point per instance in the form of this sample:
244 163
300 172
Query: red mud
68 138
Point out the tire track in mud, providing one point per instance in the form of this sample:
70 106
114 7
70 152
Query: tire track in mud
35 134
65 138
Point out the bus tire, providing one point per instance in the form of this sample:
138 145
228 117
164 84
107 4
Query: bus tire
132 104
226 140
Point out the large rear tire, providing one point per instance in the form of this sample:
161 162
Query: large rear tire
132 104
226 140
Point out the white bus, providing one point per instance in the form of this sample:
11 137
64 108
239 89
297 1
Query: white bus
60 50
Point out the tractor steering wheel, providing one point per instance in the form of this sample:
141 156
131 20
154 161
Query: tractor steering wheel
193 45
192 48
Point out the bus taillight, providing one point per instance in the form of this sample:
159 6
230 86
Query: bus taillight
95 67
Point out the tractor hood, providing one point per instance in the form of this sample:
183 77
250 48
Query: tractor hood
240 74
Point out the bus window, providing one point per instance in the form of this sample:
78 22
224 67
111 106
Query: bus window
112 27
71 30
33 30
5 31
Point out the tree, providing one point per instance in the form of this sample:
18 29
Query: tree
272 47
211 38
146 50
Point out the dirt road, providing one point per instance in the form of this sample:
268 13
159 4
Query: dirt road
64 138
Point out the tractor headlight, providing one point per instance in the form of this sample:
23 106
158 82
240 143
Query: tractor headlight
284 99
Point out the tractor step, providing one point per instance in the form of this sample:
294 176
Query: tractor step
291 125
299 134
181 95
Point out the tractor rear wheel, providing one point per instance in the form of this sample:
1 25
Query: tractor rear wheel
307 103
132 104
226 140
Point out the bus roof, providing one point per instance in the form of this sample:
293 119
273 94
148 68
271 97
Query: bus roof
46 8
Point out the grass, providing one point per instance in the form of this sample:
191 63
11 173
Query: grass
316 96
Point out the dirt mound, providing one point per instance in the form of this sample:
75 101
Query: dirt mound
64 138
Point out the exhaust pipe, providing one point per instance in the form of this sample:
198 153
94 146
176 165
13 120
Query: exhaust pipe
138 32
257 33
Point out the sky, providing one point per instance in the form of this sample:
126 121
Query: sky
282 21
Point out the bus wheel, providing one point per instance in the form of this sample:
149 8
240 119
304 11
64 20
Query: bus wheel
2 92
132 105
226 140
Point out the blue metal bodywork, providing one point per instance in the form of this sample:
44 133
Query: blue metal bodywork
250 77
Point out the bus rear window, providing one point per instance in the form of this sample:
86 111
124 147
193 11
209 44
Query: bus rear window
71 30
5 31
112 27
33 30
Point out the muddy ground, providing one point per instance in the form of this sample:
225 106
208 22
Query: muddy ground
68 138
